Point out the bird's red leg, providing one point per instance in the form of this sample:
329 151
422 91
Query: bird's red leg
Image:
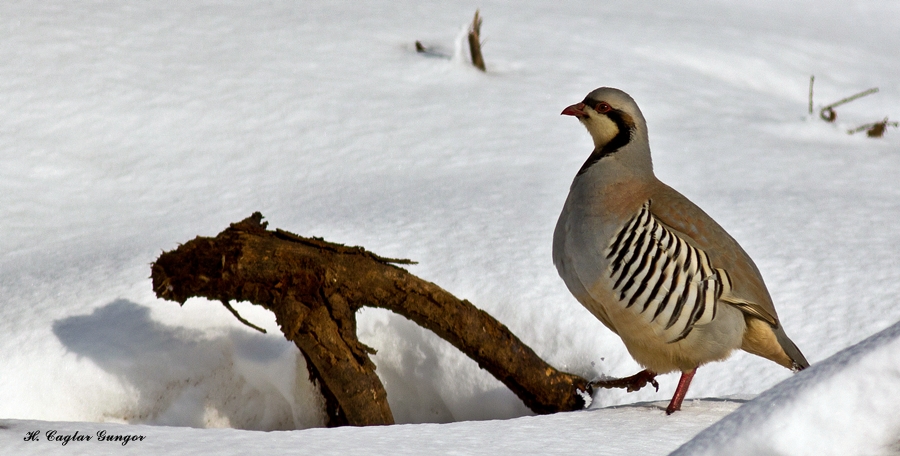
681 391
633 383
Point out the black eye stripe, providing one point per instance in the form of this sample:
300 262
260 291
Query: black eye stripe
596 105
626 126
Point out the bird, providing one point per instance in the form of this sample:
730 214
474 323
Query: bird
651 265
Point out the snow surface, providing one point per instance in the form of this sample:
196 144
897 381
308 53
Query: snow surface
846 404
128 127
570 433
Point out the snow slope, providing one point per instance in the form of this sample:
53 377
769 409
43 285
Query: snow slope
126 128
844 405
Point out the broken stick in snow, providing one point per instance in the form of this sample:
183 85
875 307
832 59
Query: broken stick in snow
475 42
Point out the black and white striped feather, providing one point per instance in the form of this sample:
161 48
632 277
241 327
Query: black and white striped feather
661 276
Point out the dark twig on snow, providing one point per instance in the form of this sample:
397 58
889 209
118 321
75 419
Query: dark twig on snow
812 79
475 42
430 51
827 113
875 129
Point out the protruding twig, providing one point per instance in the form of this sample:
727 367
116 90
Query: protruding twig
430 51
876 129
811 80
340 248
827 113
475 42
852 97
241 319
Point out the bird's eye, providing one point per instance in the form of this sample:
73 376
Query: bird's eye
603 107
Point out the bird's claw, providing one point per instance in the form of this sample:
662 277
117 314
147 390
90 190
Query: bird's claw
631 384
653 382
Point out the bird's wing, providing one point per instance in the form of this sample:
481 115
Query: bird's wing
748 291
657 273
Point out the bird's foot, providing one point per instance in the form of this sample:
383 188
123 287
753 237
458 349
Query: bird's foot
631 384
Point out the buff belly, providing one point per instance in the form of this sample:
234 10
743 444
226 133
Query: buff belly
648 345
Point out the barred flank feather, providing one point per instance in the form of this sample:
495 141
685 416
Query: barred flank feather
661 276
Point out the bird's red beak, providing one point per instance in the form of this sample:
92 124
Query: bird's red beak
576 110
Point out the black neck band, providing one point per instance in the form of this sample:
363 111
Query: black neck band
622 138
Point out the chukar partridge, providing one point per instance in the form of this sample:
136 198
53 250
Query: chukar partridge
651 265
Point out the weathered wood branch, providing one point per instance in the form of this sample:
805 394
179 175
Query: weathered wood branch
314 288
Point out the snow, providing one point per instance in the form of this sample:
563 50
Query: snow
126 128
842 405
557 434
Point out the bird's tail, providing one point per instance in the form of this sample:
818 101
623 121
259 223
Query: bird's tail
769 341
799 361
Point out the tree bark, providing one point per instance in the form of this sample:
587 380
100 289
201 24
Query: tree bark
314 288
